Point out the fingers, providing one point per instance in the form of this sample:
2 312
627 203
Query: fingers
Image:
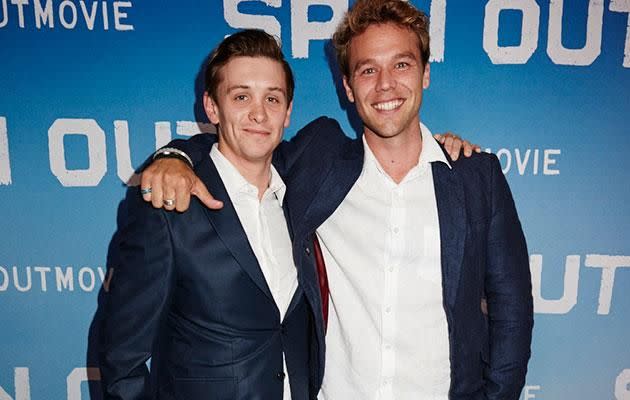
167 183
172 182
169 199
157 197
146 188
182 202
467 148
150 185
453 145
202 193
146 192
177 186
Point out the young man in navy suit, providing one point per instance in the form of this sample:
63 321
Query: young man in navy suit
213 296
430 292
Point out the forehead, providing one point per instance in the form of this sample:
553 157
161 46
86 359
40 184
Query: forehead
380 41
255 72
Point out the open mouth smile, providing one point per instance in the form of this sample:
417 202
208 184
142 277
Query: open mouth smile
389 105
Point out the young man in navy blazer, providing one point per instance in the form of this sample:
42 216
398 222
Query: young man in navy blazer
213 296
430 289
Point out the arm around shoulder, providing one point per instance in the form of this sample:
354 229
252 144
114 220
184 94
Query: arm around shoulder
323 131
196 147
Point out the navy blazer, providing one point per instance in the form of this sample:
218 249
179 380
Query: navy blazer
189 292
483 250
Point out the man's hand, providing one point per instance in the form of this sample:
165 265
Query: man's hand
169 182
454 145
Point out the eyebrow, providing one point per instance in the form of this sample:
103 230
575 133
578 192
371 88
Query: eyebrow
405 54
235 87
272 88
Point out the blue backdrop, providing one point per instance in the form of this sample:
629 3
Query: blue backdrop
89 88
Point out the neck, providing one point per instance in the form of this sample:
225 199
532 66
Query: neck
397 155
258 172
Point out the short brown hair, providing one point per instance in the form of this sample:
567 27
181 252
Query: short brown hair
246 43
370 12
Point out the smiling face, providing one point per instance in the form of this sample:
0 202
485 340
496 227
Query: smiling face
251 109
386 80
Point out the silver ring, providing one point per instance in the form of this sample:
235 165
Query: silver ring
169 202
146 190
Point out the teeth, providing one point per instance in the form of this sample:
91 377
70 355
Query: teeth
388 105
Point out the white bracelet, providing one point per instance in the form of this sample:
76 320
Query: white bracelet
172 152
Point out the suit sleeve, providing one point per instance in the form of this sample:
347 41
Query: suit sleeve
197 147
322 130
288 152
136 302
509 295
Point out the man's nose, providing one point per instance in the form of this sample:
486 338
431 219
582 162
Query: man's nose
385 80
258 113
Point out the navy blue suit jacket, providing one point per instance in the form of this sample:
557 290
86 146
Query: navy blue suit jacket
188 291
483 250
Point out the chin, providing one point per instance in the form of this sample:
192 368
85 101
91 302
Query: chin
262 156
387 131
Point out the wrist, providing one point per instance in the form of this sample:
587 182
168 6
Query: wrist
171 152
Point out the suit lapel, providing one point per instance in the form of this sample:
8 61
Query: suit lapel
342 175
298 291
228 227
449 194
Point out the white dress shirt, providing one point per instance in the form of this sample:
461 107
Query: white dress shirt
266 229
387 334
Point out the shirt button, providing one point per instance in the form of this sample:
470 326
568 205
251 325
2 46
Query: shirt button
308 251
396 229
280 376
388 310
388 346
390 269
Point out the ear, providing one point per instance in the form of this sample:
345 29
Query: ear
426 76
211 108
348 88
287 118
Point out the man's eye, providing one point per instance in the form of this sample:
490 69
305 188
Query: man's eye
273 100
240 97
402 65
368 71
